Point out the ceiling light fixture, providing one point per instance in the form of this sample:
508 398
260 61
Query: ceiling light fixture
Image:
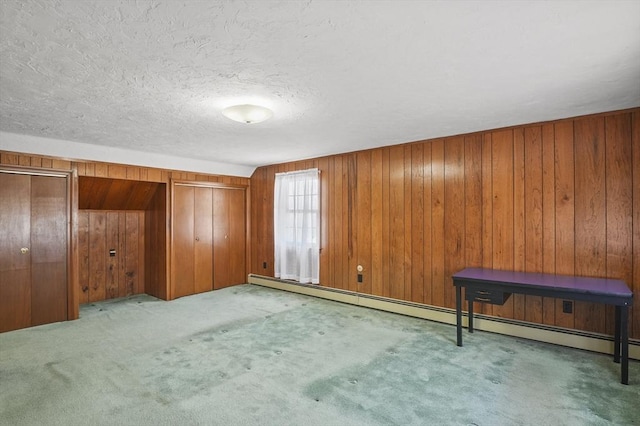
247 113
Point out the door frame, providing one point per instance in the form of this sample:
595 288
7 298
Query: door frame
206 184
71 176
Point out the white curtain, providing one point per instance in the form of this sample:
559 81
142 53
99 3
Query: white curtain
297 226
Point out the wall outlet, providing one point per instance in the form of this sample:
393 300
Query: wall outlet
567 306
264 265
359 278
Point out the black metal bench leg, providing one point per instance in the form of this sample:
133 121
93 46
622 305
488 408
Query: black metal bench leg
470 311
459 315
616 340
624 336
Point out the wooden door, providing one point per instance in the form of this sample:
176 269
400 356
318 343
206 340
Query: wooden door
183 247
48 249
221 263
15 266
237 236
229 237
33 250
203 253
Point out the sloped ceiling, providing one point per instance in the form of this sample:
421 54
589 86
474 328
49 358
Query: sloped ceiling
153 76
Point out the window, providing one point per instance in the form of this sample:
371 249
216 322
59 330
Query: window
297 226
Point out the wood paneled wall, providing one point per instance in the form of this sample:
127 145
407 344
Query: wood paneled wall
103 276
557 197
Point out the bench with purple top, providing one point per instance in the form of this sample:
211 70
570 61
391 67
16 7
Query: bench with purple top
495 287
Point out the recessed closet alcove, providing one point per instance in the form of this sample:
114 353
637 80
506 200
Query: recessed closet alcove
122 238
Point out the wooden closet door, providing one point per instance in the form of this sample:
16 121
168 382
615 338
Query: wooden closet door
221 264
203 256
33 250
237 236
229 237
15 266
48 249
183 247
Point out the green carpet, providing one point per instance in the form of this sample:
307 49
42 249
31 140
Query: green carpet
249 355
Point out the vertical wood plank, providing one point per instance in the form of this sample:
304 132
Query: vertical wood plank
97 249
139 285
427 292
101 170
363 219
502 172
437 222
61 164
454 197
590 214
487 213
548 217
83 255
634 329
386 220
416 233
37 161
376 268
619 204
340 252
396 221
132 238
519 300
564 170
330 244
351 223
112 276
323 166
123 235
473 200
406 221
532 198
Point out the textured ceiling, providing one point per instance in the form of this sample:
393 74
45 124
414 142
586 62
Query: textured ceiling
153 76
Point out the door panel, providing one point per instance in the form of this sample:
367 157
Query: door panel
221 263
48 219
183 241
48 249
203 256
237 236
15 211
15 299
48 292
15 275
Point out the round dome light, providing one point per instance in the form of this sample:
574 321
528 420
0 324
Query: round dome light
247 113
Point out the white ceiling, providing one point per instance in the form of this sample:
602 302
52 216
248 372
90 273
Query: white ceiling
153 76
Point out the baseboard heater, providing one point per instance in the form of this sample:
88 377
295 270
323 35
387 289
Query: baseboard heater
594 342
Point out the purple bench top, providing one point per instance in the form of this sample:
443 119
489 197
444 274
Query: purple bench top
550 281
